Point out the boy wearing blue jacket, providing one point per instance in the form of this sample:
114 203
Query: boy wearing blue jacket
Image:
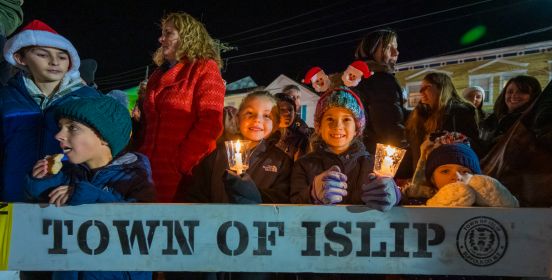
93 134
49 77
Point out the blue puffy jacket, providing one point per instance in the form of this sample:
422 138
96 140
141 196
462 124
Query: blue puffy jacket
126 179
26 133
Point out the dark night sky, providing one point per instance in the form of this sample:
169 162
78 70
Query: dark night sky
121 34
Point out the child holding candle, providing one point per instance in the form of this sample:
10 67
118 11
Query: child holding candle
455 179
340 170
266 175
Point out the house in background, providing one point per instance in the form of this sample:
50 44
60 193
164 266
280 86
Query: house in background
237 90
308 97
489 69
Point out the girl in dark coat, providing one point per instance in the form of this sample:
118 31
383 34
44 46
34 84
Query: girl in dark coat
267 178
339 170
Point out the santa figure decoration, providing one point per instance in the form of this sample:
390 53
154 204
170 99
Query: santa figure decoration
355 72
320 81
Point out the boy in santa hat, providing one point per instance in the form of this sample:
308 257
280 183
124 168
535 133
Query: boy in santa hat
49 78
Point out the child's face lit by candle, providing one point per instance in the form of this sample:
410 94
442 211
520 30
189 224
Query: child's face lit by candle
338 129
256 119
450 173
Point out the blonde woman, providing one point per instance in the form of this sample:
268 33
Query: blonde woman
183 103
440 109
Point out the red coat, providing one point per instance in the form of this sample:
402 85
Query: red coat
182 118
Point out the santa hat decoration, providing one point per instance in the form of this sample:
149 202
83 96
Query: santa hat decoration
311 74
319 80
37 33
355 72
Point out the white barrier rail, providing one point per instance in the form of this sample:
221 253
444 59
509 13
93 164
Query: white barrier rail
277 238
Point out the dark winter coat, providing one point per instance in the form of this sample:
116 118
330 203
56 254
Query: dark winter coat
521 158
126 179
381 96
26 133
356 163
493 128
294 141
269 167
459 117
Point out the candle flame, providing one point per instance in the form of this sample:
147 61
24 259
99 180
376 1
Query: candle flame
238 146
390 150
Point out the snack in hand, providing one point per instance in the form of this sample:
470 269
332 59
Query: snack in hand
54 163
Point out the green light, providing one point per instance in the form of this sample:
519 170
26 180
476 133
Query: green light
473 35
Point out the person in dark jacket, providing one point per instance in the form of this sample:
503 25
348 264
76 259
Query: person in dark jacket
93 133
339 170
440 109
267 177
49 78
293 140
514 99
381 94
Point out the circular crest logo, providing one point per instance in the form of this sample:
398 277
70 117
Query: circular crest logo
482 241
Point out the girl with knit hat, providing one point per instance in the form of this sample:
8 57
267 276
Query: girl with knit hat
453 179
339 169
48 78
93 134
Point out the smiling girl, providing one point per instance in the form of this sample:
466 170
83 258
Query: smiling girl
339 170
266 179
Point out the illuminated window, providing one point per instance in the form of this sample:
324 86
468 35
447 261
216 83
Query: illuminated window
413 94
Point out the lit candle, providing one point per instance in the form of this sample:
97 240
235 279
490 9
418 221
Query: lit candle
238 157
387 163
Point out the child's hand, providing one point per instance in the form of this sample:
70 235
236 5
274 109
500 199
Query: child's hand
60 195
330 186
40 169
241 189
381 193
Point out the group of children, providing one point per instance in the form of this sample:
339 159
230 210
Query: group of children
45 110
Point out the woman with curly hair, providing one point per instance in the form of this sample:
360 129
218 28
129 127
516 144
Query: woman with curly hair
183 103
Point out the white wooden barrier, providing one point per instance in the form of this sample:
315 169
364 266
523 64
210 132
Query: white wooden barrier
277 238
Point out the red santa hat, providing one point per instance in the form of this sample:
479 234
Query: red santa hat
37 33
311 73
362 67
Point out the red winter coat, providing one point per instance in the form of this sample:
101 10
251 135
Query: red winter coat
182 118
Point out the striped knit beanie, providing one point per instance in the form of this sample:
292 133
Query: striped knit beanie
341 97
